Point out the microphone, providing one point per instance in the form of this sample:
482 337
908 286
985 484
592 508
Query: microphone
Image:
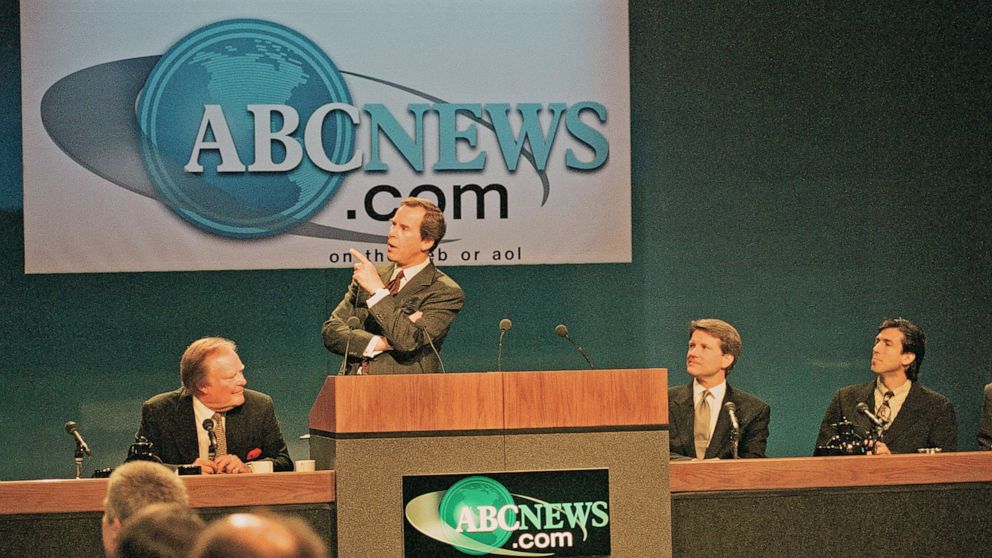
208 425
73 431
352 323
862 408
562 331
735 435
504 325
410 308
732 412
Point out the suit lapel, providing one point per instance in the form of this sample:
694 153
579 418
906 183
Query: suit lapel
909 414
416 285
235 430
722 429
187 444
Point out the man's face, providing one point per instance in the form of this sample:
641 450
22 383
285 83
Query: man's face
225 381
405 247
887 355
705 359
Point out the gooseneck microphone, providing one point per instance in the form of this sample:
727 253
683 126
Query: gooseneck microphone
208 425
735 434
504 325
73 431
410 309
353 322
562 331
863 409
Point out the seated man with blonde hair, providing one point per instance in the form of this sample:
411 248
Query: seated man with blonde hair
213 394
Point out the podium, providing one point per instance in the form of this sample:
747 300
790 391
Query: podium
376 430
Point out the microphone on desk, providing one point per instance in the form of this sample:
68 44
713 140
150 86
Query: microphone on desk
410 309
353 322
208 425
562 331
862 408
504 325
735 435
73 431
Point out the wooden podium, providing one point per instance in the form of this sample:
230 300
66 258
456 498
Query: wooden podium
373 430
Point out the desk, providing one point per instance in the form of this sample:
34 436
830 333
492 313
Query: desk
898 505
62 517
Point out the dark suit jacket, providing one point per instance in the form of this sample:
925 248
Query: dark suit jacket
926 419
753 415
167 420
430 291
985 421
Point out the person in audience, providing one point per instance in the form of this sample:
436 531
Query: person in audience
259 535
134 486
160 531
213 394
700 425
985 421
914 416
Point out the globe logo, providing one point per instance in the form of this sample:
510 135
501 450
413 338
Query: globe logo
231 65
470 493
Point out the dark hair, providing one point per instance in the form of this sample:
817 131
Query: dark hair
730 339
913 341
433 226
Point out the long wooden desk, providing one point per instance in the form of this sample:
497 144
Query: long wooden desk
31 511
898 505
901 505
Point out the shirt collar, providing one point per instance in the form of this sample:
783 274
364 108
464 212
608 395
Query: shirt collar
717 391
899 392
411 271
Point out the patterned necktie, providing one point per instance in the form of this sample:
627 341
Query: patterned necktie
394 285
701 426
219 432
885 410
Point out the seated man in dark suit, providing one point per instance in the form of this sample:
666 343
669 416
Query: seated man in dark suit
699 424
213 389
985 421
914 416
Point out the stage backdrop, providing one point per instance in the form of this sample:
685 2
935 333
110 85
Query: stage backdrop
184 135
801 172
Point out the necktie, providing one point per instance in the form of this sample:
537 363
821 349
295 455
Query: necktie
394 285
219 432
701 426
885 410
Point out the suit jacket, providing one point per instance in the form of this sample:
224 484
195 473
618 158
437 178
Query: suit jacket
430 291
167 420
985 421
753 415
926 419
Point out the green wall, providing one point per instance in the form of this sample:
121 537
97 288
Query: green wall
799 172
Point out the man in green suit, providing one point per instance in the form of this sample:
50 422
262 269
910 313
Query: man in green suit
400 309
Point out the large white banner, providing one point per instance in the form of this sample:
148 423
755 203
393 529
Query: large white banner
187 135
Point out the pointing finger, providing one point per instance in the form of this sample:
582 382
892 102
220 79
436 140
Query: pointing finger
358 256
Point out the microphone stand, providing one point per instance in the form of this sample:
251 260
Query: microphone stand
735 439
79 459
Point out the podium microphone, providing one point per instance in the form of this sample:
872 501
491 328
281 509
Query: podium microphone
409 309
735 435
73 431
504 325
208 425
562 331
862 408
352 322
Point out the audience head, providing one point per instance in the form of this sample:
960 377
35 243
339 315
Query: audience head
160 531
259 535
133 486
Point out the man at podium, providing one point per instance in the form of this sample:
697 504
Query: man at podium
708 418
394 317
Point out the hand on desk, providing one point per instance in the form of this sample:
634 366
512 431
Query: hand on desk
223 464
